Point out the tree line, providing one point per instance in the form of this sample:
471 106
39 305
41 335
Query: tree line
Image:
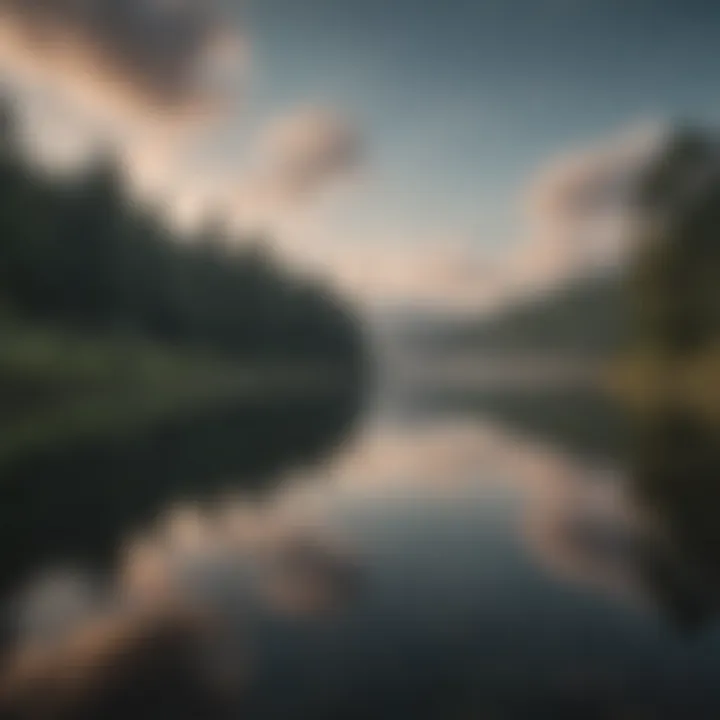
79 252
675 276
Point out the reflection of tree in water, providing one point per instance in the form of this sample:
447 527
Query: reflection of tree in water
149 636
652 533
75 504
676 479
582 422
655 533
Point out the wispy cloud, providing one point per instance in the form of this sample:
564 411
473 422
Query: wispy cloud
133 72
164 56
579 205
296 160
577 218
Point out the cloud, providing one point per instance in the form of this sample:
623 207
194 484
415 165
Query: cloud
579 208
384 270
307 150
160 56
449 274
576 219
149 79
145 77
296 161
131 71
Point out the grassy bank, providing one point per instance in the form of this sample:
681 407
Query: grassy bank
59 387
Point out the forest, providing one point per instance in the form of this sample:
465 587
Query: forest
81 253
110 319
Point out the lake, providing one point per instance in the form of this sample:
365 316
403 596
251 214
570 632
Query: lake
524 556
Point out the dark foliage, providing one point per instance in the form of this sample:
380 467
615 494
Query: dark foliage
581 319
79 253
675 288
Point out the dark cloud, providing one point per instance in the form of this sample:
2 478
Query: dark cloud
160 53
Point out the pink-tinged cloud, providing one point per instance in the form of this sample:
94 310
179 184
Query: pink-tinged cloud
579 208
296 161
306 150
159 56
578 219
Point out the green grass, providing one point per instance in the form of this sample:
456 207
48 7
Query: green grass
58 387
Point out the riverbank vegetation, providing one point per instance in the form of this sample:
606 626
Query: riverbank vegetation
109 317
672 362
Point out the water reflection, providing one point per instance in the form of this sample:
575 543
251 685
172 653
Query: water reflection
75 503
636 516
457 563
675 478
173 628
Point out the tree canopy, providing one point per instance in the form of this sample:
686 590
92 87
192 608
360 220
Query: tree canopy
80 252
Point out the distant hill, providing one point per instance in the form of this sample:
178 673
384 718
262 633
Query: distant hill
583 318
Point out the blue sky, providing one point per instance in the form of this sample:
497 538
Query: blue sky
461 100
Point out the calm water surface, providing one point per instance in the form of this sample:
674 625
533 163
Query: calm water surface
499 574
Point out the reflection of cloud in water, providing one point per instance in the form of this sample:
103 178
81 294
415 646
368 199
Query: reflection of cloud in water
587 531
211 575
420 458
577 518
109 659
56 602
180 608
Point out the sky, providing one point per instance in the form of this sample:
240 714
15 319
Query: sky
414 151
